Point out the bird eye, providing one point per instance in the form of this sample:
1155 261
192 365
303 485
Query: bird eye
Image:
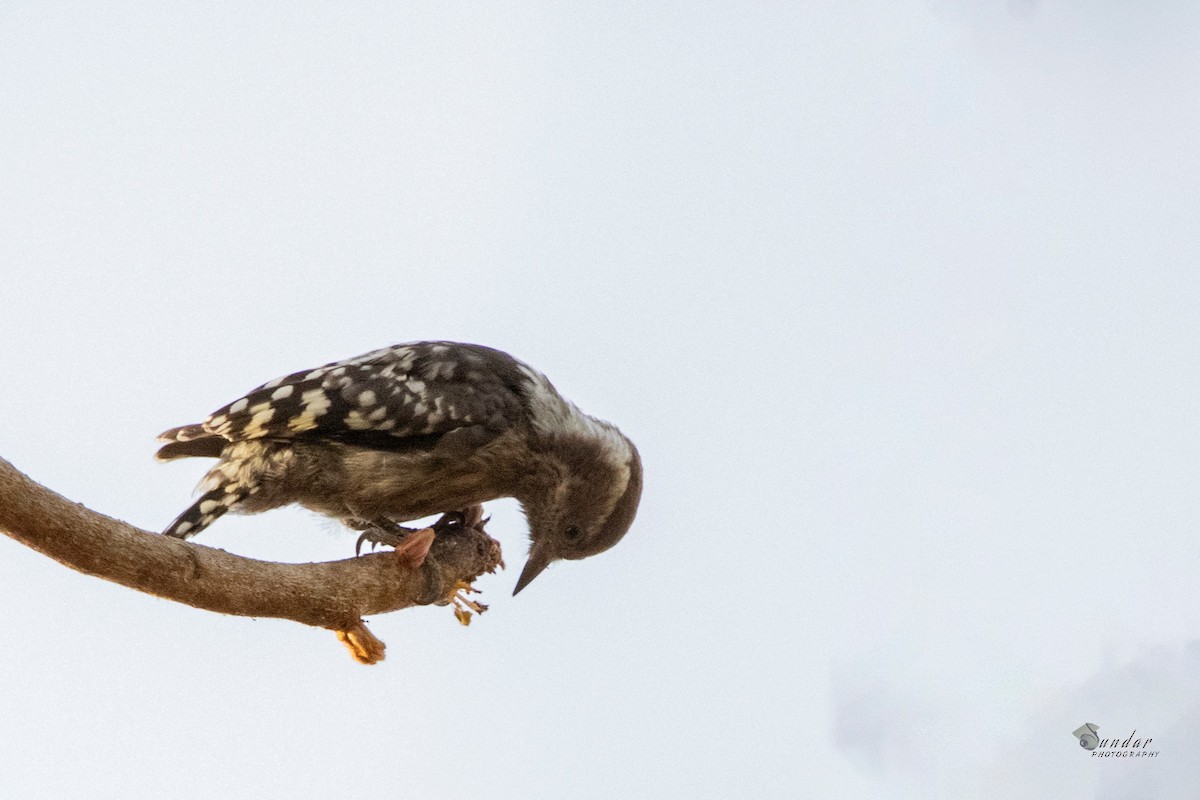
572 532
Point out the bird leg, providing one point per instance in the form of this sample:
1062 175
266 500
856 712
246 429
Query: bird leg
392 534
388 532
381 532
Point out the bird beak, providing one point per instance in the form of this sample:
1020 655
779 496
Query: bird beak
538 561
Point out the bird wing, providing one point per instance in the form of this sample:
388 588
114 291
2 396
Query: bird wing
396 393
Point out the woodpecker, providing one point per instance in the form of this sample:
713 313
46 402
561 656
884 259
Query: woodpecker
413 430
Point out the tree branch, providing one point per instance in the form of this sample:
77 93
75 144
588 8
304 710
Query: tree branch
427 569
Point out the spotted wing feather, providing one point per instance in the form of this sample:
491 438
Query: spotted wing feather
400 392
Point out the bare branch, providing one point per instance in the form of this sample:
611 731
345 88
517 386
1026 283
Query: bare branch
333 594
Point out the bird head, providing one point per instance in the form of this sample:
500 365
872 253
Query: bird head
586 510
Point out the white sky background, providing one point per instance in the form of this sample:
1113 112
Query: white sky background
898 299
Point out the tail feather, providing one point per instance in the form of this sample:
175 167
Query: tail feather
208 447
208 507
189 440
184 433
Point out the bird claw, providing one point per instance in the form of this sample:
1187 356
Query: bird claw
450 521
393 535
377 536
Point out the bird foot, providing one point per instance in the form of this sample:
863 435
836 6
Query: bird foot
402 539
464 605
393 536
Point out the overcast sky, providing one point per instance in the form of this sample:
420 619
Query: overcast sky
898 299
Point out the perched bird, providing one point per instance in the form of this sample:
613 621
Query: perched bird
414 430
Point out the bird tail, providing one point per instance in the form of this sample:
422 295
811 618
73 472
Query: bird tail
208 507
189 440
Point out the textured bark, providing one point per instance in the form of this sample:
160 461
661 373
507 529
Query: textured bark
334 594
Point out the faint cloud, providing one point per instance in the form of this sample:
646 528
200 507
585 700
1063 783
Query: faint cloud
873 723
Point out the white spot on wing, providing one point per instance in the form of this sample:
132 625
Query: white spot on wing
302 422
257 426
315 402
356 421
